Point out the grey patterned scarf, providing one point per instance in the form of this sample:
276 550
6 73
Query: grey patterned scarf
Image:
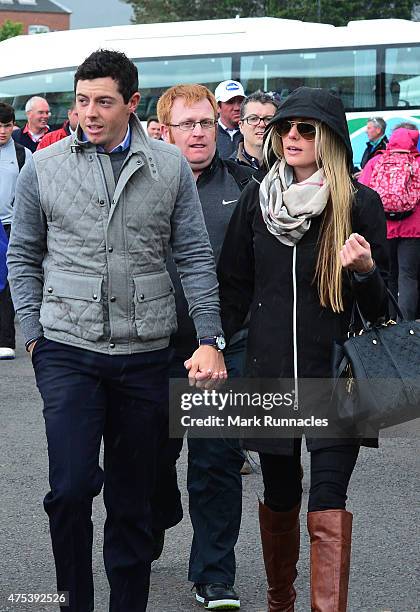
288 207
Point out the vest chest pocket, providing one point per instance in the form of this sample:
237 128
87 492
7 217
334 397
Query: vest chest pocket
154 306
72 304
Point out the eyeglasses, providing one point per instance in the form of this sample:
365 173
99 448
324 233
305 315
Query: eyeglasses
255 120
306 130
188 126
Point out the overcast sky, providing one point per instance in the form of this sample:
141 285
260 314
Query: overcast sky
97 13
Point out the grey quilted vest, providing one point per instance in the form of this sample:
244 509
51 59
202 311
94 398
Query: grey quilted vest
106 287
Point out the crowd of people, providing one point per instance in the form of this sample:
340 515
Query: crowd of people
229 238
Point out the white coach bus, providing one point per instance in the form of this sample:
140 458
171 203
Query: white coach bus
374 66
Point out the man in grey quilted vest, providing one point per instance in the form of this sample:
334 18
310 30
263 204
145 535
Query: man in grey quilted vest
95 214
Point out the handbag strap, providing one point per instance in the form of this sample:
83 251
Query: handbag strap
365 324
397 308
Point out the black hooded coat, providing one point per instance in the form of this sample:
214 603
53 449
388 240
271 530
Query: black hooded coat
289 331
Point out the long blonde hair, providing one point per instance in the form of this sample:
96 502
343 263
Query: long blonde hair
331 155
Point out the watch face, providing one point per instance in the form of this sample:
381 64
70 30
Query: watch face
220 343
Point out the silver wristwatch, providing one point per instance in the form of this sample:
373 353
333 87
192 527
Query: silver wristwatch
218 342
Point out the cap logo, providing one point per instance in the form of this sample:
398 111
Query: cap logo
232 87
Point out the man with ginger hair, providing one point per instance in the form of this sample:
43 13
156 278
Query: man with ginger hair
188 115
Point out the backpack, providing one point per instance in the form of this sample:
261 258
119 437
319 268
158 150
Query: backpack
396 178
20 155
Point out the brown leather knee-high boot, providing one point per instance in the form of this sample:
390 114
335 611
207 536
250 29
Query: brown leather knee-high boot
330 533
280 538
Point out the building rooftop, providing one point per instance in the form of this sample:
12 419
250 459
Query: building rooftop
33 6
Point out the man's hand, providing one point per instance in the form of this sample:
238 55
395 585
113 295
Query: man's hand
206 367
356 255
31 347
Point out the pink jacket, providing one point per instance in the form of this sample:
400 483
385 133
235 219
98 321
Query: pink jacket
410 226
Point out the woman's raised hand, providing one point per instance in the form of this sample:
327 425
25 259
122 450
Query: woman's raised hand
356 254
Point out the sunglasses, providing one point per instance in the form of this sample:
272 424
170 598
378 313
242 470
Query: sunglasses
306 130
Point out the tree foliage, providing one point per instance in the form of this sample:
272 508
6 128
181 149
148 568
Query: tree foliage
158 11
336 12
340 12
10 29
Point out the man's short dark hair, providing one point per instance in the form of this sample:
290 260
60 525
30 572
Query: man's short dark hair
152 119
258 96
7 113
105 63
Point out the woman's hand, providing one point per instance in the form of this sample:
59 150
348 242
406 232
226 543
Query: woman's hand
206 367
356 254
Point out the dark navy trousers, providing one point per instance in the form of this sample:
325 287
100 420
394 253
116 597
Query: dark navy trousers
124 400
215 504
214 486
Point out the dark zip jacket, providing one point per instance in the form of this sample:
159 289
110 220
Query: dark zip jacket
219 187
256 271
24 139
226 145
372 150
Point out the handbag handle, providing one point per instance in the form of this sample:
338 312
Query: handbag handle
362 318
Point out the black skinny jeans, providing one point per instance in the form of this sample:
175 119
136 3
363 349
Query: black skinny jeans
404 278
331 469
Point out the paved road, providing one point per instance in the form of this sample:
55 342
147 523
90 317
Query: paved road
384 500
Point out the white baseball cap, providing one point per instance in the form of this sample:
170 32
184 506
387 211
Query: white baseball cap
226 90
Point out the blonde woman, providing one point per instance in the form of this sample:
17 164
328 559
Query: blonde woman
301 245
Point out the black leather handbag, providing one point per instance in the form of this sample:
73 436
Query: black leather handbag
377 374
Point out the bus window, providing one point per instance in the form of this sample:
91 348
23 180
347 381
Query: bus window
350 74
155 76
55 86
402 83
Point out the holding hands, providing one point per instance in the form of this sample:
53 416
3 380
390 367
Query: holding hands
206 367
356 254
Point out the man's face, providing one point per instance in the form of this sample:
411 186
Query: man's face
373 130
230 112
38 116
73 118
6 130
103 114
253 134
197 145
153 129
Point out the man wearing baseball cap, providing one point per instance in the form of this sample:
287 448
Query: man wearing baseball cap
229 96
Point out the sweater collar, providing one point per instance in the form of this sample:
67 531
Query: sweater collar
123 146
